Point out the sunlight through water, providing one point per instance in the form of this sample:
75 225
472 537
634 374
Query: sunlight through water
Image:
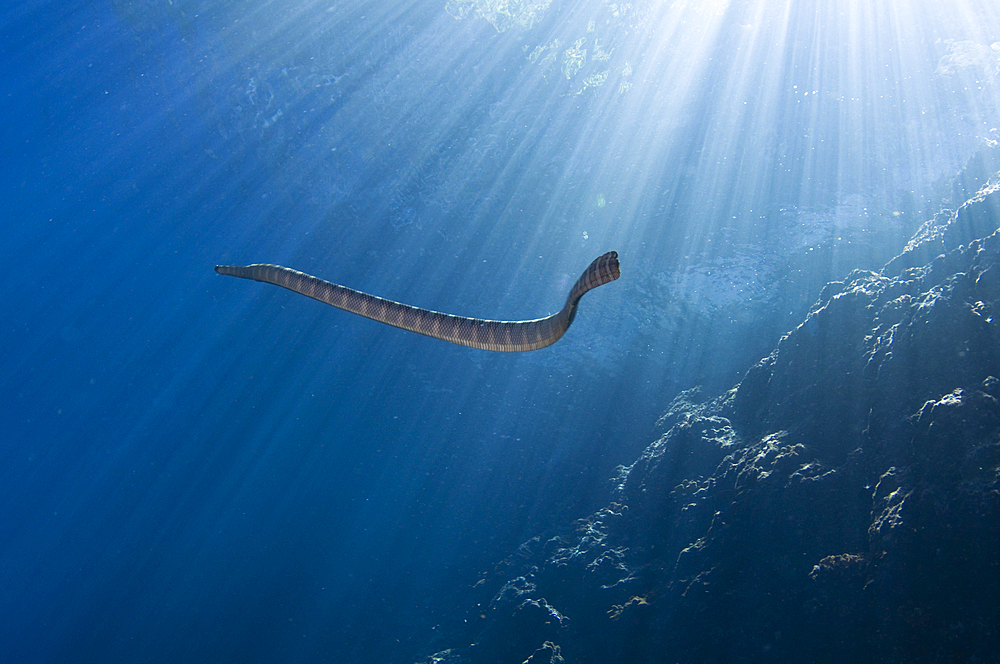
227 459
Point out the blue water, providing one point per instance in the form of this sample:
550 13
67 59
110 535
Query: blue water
198 468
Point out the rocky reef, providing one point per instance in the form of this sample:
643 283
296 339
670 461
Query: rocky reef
841 503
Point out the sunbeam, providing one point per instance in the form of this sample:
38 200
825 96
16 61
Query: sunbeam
274 480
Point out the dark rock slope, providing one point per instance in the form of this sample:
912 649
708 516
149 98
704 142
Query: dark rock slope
842 503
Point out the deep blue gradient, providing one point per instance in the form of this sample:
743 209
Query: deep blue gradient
197 468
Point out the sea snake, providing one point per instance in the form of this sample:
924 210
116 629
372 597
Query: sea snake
475 332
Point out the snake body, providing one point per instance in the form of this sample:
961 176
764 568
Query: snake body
495 335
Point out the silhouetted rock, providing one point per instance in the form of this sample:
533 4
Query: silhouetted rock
842 503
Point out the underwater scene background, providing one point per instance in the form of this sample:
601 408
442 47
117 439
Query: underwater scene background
776 436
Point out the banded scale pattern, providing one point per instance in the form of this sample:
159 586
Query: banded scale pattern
497 335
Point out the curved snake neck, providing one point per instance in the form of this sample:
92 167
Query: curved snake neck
495 335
